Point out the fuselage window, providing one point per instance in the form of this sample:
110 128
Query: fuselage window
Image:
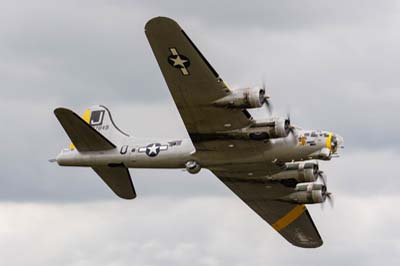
175 143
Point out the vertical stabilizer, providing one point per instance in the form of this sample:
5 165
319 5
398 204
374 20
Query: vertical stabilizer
99 118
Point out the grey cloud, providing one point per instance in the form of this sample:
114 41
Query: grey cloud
73 51
98 51
273 15
198 231
363 174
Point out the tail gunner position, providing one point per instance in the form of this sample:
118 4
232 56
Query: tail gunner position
270 164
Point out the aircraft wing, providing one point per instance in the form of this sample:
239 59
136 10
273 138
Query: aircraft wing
195 86
291 220
192 81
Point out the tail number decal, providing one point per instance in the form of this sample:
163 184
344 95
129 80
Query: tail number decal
96 120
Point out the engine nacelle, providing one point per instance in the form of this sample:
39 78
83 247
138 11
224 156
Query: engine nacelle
243 98
281 128
306 197
307 194
276 128
310 187
193 167
306 171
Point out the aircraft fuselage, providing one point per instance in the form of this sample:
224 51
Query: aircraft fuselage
136 153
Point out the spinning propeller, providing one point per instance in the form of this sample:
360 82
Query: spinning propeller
264 99
334 143
328 196
321 175
290 129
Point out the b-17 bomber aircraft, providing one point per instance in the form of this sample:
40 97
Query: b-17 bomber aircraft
269 163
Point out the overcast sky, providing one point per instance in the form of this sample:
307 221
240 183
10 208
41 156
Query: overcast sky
333 65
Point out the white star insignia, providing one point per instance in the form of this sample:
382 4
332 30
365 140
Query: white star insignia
178 61
153 149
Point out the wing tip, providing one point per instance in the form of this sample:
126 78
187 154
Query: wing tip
61 109
127 197
159 20
313 241
313 244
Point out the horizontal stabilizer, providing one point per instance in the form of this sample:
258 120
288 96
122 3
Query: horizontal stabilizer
82 135
118 179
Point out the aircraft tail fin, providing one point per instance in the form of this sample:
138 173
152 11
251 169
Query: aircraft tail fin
83 136
99 117
82 131
93 132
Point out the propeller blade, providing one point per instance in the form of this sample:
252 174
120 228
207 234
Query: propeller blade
330 199
292 131
268 105
53 160
288 123
263 86
323 177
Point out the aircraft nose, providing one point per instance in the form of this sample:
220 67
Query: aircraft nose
340 141
334 142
